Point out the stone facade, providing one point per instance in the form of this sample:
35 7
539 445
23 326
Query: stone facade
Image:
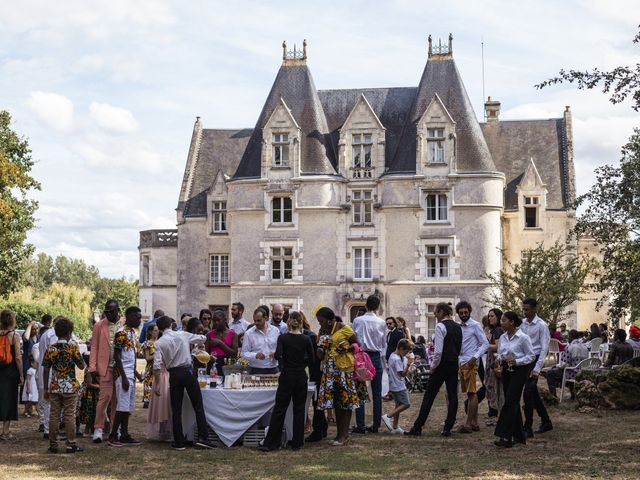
338 194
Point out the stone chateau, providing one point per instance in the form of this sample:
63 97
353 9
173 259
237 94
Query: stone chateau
338 194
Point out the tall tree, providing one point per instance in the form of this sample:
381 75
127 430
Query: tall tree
612 218
620 82
16 208
553 275
612 205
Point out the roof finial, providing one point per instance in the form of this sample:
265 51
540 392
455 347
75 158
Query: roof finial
441 50
295 56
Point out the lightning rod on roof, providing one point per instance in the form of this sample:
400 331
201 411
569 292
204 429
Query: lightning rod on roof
483 93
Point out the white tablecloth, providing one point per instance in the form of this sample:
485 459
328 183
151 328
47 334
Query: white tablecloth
230 413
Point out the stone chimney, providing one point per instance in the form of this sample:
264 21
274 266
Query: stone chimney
492 110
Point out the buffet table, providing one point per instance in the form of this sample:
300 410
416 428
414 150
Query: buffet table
231 412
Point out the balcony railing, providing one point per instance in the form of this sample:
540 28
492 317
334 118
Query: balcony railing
362 172
158 238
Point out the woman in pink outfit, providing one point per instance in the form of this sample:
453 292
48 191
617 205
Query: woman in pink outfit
159 420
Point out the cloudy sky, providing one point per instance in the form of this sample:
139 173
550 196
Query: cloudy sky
107 92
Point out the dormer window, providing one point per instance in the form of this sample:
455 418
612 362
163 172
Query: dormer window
362 150
219 217
435 145
280 144
531 205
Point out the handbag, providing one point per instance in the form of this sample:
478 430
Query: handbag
363 369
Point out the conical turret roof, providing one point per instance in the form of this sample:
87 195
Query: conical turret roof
441 77
294 84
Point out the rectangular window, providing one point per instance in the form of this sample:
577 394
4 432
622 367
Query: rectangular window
362 264
281 211
361 145
437 208
280 149
219 216
435 145
437 261
362 206
431 319
219 269
281 263
146 277
530 217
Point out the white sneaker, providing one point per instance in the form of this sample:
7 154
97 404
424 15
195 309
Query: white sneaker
397 431
387 422
97 435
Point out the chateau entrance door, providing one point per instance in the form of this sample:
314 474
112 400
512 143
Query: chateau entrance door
355 311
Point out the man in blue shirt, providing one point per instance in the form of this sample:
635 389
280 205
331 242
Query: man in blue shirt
538 331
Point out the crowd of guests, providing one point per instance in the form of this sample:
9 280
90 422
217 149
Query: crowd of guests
503 355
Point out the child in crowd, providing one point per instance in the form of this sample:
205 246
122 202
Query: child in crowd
399 366
88 400
30 390
125 346
60 362
148 349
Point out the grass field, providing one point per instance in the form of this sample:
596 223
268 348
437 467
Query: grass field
595 445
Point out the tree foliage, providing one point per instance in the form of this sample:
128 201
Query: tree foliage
66 300
69 287
612 218
554 275
16 208
620 82
44 270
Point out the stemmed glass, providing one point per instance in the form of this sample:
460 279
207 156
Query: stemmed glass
511 361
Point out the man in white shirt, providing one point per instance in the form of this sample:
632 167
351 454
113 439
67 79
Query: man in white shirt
259 345
173 349
371 331
538 332
238 324
474 345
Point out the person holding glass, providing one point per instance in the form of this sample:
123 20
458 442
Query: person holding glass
513 364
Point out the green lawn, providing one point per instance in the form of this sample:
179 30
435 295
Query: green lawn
594 445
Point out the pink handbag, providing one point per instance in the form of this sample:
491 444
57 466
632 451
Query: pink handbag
364 369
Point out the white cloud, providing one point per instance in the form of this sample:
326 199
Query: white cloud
113 119
55 110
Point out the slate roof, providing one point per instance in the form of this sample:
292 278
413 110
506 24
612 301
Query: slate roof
294 84
218 149
391 105
505 147
514 143
441 76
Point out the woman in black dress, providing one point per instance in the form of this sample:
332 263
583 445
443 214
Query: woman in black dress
10 372
294 352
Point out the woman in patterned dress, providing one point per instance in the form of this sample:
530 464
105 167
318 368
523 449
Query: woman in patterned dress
339 388
148 349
